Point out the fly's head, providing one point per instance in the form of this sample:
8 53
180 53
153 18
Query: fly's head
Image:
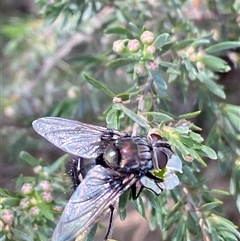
161 151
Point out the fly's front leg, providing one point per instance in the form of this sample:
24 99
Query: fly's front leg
112 217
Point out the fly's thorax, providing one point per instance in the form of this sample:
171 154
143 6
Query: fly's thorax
128 154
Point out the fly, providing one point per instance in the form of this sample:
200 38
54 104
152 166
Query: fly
121 162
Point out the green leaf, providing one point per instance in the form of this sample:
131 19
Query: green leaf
222 46
182 44
152 220
21 235
179 232
136 118
116 63
56 165
112 119
161 40
158 79
190 115
228 225
200 42
116 30
209 152
92 233
215 88
215 63
88 59
210 206
29 159
46 211
123 201
97 84
157 117
139 205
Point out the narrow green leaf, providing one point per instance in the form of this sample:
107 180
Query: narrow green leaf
215 63
112 119
116 30
182 44
161 40
152 220
123 201
56 165
222 46
92 233
210 206
97 84
190 115
132 115
228 225
221 192
45 211
157 117
29 159
178 235
215 88
209 152
21 235
158 79
139 205
200 42
121 62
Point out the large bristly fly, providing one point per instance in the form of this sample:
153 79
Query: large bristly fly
121 162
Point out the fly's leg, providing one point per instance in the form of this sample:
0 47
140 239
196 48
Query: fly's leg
113 214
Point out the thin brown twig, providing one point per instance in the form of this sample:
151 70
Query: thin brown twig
141 102
202 221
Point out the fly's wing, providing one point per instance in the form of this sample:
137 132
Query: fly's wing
73 137
90 202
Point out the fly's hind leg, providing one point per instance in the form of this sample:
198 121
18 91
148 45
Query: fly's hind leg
112 217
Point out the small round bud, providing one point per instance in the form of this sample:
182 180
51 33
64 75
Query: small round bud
140 69
27 188
193 57
147 37
153 65
37 169
58 208
7 216
45 185
25 203
118 46
117 99
47 196
151 49
200 54
190 50
200 65
34 211
133 45
35 227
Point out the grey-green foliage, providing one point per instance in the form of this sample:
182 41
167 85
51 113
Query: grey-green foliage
63 65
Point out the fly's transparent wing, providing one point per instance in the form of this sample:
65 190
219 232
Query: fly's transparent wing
90 202
73 137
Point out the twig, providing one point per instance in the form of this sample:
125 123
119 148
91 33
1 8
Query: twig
147 87
202 222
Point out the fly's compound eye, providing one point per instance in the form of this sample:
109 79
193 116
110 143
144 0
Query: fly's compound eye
162 152
112 156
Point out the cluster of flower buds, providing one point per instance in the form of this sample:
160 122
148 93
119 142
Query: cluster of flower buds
195 56
28 208
142 50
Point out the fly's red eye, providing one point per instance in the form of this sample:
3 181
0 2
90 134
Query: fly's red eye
160 159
